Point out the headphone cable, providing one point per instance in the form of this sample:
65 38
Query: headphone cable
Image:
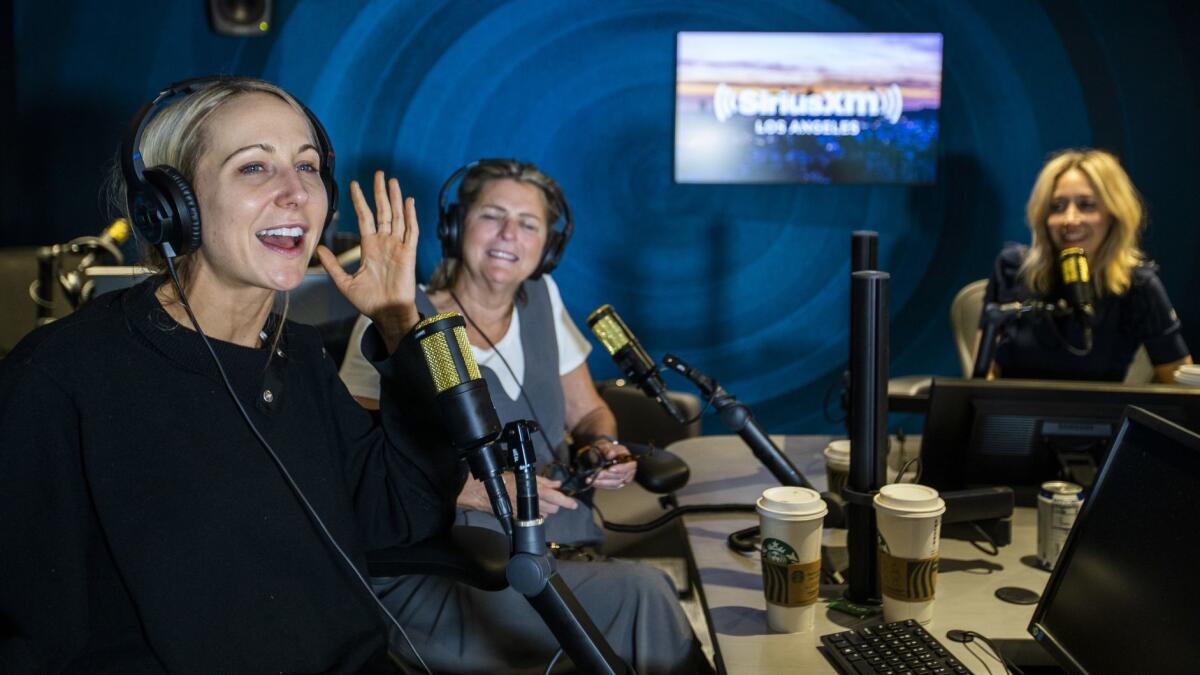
169 255
513 373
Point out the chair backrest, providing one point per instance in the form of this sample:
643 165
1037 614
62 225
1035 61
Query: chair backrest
640 419
1141 370
964 322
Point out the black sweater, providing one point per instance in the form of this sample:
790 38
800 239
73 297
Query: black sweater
142 526
1033 347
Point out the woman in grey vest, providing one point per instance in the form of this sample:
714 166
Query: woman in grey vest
499 242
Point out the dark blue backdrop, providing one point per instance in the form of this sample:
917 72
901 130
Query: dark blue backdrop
750 283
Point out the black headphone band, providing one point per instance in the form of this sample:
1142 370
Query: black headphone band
170 216
450 216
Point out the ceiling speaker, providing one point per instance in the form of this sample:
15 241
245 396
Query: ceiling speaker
240 18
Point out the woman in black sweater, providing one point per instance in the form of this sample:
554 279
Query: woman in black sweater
146 525
1083 199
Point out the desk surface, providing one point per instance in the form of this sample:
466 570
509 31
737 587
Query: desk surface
724 471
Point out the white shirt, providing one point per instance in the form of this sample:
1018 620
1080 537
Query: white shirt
573 348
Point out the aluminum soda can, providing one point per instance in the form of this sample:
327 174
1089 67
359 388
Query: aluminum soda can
1058 505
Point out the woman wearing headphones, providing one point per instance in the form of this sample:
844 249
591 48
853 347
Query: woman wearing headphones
186 484
1083 199
499 242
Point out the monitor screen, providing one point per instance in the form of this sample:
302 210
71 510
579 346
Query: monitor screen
807 107
1121 597
1021 433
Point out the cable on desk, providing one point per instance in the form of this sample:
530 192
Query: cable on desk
986 667
742 541
967 636
995 550
904 468
675 513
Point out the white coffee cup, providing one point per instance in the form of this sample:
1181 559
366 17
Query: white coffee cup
790 518
837 465
909 518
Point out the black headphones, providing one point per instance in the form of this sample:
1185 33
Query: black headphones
162 205
450 215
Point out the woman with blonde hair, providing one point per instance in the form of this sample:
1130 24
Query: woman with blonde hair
186 484
1084 199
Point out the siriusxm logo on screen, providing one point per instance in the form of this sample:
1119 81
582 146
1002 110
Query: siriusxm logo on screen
751 102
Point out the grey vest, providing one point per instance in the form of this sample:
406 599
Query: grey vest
541 389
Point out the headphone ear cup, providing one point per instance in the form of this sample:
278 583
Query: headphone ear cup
181 226
331 193
450 232
551 254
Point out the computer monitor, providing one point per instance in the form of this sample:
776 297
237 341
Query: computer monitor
1122 595
1021 433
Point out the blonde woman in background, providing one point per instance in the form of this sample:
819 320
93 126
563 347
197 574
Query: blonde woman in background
1084 199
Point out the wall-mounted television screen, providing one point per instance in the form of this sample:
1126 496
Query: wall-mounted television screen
807 107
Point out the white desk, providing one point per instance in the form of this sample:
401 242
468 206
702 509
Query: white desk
724 471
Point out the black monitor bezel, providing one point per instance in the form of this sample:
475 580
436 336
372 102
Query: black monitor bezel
1133 416
946 441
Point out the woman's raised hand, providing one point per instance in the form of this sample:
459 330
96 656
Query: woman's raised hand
384 287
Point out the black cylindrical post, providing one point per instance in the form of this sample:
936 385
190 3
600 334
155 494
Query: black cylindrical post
868 431
864 250
864 255
47 260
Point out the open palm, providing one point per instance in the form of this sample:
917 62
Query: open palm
384 286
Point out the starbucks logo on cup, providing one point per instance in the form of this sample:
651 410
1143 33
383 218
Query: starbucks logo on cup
907 579
786 580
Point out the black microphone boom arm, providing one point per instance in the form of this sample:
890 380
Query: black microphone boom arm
741 421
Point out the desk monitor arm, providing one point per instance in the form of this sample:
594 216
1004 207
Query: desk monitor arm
530 569
737 416
1078 467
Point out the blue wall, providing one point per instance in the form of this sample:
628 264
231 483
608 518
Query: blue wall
749 283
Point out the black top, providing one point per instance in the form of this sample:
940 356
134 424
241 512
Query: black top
1032 347
145 529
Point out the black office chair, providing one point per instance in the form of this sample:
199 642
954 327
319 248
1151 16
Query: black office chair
640 419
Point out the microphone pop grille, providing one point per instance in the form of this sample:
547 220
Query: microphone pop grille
608 329
440 357
460 336
1074 266
441 364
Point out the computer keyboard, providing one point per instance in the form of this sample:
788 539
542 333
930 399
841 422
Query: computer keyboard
897 648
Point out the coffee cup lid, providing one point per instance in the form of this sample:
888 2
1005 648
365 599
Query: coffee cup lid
792 503
838 450
909 498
